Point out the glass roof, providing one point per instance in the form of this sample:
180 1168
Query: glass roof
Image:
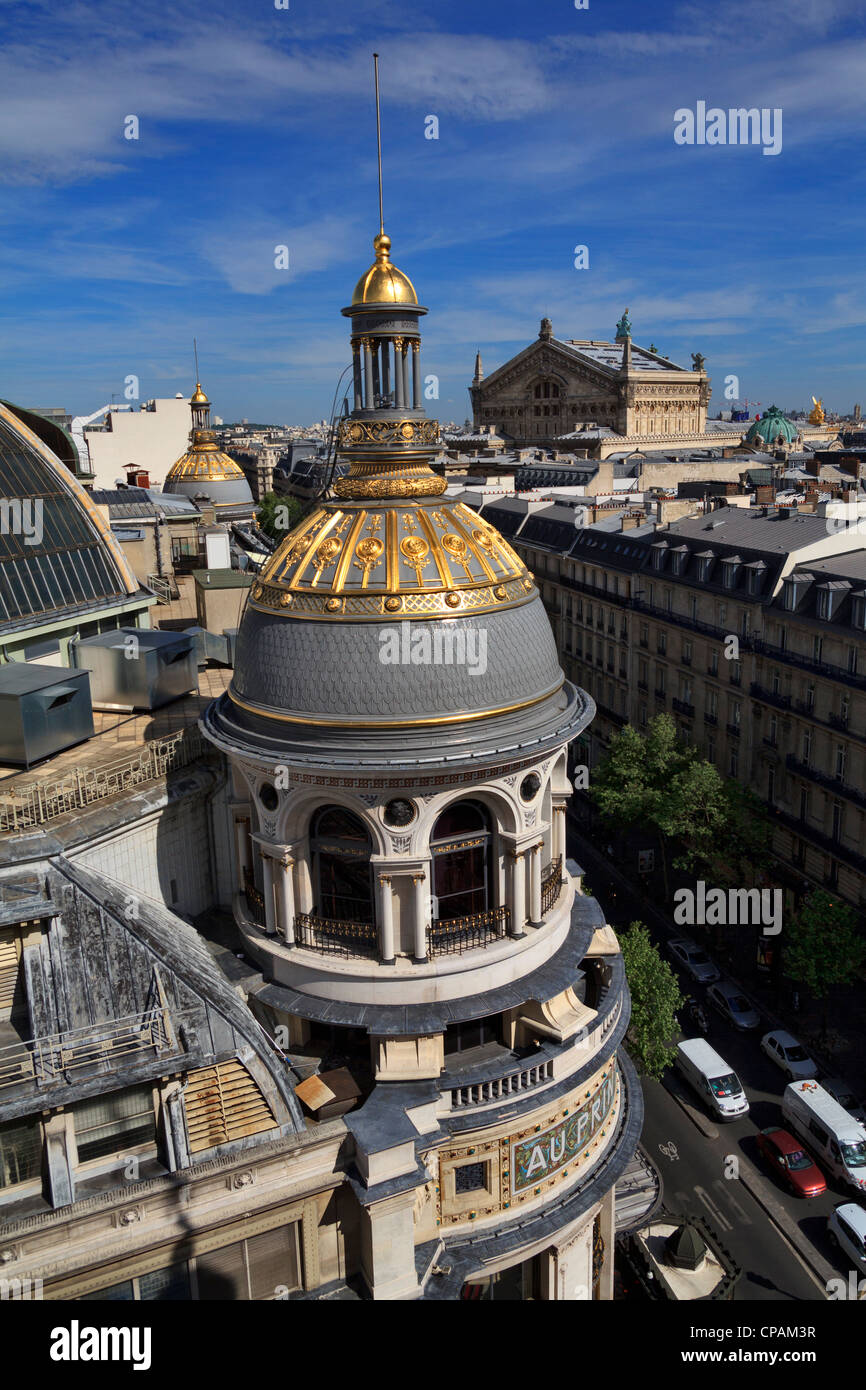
52 558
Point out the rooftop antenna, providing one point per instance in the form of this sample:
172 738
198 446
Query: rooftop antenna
195 354
379 143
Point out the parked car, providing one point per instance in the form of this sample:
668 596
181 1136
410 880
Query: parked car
693 959
791 1163
783 1049
728 1000
847 1229
827 1130
842 1093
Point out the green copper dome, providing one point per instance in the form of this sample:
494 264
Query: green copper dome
772 424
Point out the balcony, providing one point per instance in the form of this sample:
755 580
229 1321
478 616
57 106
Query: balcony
660 695
683 707
333 936
808 663
836 785
734 730
709 718
96 1046
501 1087
769 697
468 933
818 840
551 882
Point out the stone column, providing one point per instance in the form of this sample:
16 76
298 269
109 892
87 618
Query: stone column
285 899
558 833
377 374
535 885
386 366
268 894
61 1157
241 843
518 892
386 919
357 375
607 1223
416 376
368 374
399 397
388 1247
422 897
404 371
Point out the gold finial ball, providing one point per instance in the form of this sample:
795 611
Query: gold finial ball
382 246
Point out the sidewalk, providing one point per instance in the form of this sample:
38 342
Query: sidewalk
841 1053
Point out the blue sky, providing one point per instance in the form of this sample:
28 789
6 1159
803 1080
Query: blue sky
555 129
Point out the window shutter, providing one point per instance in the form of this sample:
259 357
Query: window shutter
222 1274
273 1260
10 961
224 1103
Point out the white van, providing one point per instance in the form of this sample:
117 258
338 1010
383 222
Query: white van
709 1074
833 1135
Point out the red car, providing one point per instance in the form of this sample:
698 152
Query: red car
790 1161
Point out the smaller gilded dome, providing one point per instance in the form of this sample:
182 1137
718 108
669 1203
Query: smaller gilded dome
198 397
383 283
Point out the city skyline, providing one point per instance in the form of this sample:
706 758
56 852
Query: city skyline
116 252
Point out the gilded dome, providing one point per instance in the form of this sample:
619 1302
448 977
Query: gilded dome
204 470
383 283
361 561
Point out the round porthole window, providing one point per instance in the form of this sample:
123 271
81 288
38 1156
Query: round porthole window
529 786
399 812
269 797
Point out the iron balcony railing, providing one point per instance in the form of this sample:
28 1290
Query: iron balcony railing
335 937
468 933
833 784
49 1059
34 803
551 882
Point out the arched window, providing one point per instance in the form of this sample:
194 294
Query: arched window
462 868
342 879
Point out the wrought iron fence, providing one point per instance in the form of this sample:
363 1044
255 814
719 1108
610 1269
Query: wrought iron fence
34 803
336 937
551 881
468 933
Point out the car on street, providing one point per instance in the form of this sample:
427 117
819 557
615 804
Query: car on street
728 1000
790 1162
847 1229
783 1048
693 959
848 1099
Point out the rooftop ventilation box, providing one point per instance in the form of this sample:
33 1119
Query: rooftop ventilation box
43 709
138 668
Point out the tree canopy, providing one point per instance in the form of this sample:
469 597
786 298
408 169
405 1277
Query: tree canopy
277 514
655 998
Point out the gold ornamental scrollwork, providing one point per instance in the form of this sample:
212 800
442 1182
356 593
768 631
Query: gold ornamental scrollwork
354 432
429 486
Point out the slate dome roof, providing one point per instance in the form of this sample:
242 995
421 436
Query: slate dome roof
204 470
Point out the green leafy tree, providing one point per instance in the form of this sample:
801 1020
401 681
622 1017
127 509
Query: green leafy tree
277 514
655 998
660 782
822 946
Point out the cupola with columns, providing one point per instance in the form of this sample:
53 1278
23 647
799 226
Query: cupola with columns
397 730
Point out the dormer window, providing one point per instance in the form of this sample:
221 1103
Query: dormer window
756 574
705 564
679 558
829 597
794 588
858 611
659 551
730 570
825 603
